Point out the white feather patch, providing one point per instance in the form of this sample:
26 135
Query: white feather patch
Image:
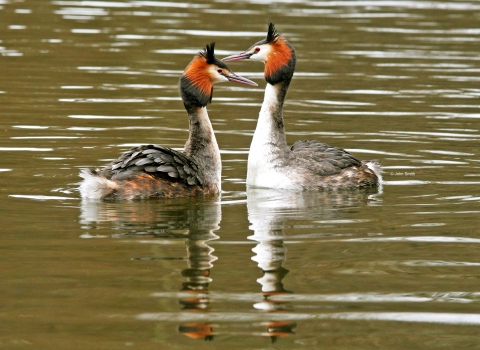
375 167
95 187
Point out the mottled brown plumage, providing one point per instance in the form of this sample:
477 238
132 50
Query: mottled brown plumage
154 171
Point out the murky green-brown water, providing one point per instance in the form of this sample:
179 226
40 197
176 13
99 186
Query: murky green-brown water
398 81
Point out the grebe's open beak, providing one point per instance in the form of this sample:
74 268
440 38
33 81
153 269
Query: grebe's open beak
238 56
239 79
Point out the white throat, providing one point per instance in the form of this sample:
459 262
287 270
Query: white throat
265 125
268 144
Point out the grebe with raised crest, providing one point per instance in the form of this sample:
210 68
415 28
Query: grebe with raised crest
155 171
306 164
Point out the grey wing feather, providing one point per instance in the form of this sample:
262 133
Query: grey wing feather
322 159
158 161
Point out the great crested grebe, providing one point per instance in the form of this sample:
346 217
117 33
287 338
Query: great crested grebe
156 171
306 164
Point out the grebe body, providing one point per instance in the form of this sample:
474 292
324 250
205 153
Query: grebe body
155 171
305 165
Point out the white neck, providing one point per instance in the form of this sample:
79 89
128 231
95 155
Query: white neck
270 133
269 145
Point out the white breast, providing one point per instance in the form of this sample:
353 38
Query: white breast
263 170
261 176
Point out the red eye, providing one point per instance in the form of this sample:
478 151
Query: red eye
220 71
257 49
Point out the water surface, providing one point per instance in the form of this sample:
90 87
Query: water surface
398 267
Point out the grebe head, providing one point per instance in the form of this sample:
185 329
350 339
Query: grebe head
275 51
204 71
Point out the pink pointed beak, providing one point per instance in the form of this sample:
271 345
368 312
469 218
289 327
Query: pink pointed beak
239 79
238 57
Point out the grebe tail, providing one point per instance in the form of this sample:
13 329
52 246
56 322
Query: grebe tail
306 164
156 171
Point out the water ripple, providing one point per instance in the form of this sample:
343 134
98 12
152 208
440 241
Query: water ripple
416 54
82 11
441 263
39 197
103 100
428 239
419 297
145 37
422 317
74 116
118 4
216 33
27 149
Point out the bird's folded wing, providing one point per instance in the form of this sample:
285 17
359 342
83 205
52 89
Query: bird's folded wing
158 161
322 159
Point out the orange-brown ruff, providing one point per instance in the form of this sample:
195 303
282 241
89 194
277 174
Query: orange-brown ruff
198 74
155 171
306 164
280 54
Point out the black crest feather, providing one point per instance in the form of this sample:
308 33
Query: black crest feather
209 53
272 34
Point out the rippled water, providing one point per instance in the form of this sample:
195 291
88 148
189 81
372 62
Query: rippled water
397 268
